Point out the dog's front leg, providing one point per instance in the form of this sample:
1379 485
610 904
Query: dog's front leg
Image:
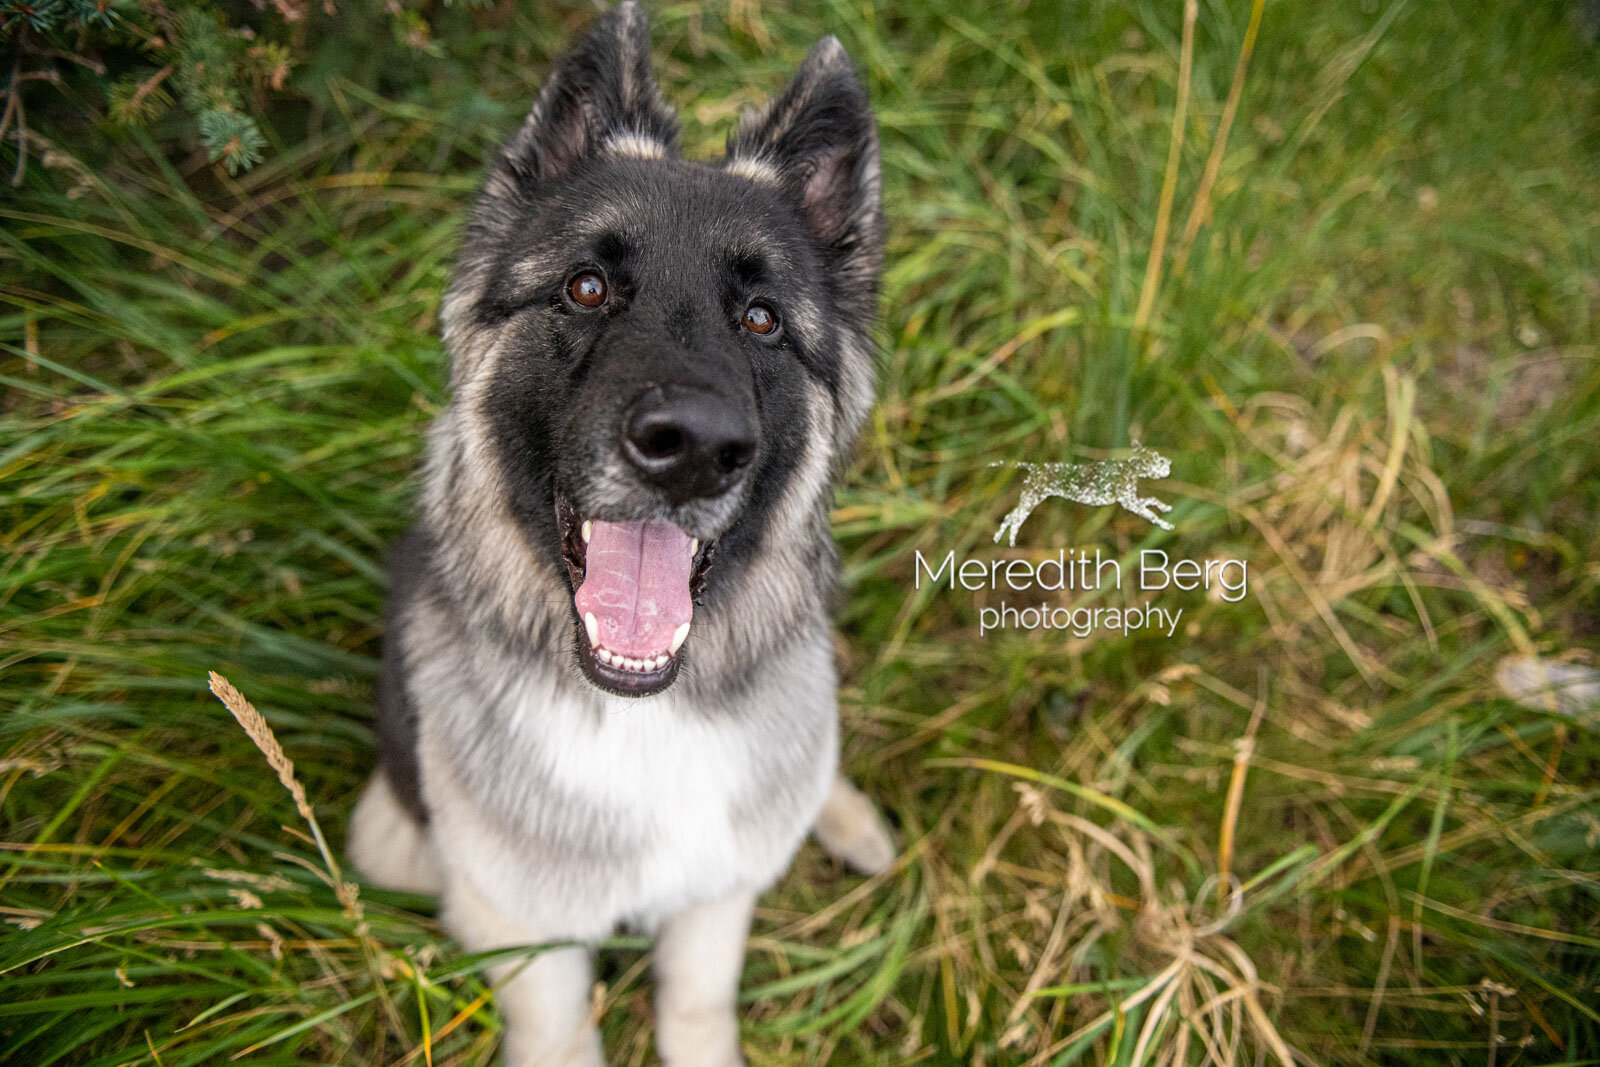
699 957
545 1000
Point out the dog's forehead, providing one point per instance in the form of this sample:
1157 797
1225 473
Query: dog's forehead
671 209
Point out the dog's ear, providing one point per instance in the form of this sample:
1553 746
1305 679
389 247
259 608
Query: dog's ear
818 142
601 97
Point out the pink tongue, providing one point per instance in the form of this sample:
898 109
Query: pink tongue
636 584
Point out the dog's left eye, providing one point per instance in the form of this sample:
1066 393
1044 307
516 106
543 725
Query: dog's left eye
758 318
588 290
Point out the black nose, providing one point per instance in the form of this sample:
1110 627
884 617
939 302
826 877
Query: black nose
690 442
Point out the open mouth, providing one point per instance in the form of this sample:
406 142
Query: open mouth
635 586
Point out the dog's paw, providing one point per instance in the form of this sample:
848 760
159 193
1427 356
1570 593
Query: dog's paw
852 832
582 1051
387 845
707 1038
870 851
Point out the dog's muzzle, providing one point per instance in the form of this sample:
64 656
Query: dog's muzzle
635 582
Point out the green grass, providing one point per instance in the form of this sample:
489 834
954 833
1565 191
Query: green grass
1374 366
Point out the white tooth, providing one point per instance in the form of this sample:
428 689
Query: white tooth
587 531
661 661
677 639
635 665
593 627
694 546
605 657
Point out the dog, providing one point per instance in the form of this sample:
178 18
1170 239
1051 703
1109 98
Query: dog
607 694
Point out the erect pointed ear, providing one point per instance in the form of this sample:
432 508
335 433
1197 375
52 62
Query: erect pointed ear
601 97
818 142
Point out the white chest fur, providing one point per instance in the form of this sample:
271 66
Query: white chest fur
681 780
597 810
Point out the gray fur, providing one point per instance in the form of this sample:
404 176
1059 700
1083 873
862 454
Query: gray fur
547 807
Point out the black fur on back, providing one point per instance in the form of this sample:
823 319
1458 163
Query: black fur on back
396 723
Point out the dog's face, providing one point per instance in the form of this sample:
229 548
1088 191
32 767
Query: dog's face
656 349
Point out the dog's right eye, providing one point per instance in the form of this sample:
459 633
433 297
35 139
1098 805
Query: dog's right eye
587 290
758 318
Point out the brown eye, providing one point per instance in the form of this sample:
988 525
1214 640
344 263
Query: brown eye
588 290
759 319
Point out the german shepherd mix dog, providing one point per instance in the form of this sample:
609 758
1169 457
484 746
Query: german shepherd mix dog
607 693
